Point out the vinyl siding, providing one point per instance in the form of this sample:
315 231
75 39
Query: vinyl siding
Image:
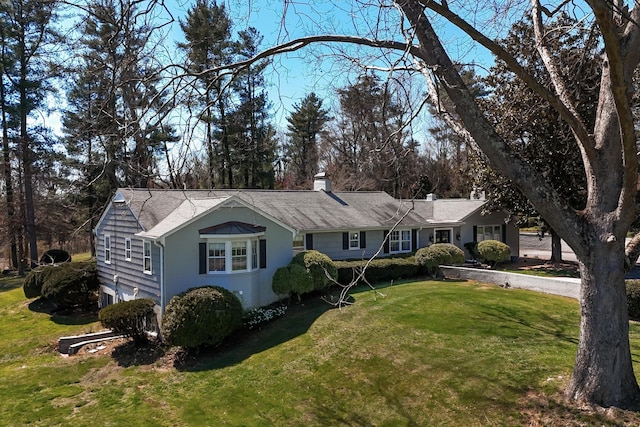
253 287
130 274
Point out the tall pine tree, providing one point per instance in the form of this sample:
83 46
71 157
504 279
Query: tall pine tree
305 125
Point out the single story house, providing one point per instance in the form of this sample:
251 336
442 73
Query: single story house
157 243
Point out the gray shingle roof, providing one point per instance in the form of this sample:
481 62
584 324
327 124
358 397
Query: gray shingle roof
163 211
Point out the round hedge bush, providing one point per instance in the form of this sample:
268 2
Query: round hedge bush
493 251
131 318
439 254
71 283
633 298
316 263
292 279
201 316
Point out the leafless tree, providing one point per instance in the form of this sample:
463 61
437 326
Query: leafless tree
409 33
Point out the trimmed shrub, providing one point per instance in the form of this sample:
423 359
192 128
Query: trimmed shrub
131 318
292 279
379 270
70 284
32 286
494 251
439 254
55 256
316 263
201 316
633 298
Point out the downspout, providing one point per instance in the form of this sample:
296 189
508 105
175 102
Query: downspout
162 290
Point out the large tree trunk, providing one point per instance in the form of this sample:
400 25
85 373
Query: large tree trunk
603 371
556 246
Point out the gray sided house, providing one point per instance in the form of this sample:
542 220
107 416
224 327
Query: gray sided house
157 243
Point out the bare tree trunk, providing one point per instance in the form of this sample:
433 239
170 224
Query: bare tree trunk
8 182
556 246
30 216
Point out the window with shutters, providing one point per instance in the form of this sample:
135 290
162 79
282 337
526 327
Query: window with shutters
232 247
354 240
400 241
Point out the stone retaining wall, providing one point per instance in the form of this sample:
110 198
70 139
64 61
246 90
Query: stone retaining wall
563 286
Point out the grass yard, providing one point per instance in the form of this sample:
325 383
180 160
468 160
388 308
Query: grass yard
429 353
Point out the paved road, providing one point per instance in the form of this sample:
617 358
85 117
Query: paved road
532 246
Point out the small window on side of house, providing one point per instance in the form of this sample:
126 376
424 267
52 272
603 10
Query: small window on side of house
146 257
127 249
107 249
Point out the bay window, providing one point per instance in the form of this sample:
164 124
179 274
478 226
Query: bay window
232 255
231 247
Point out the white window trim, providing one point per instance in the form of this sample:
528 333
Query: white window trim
251 242
300 238
107 249
127 250
144 257
450 230
357 234
400 240
493 228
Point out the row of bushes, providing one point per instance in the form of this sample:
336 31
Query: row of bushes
197 317
206 315
308 271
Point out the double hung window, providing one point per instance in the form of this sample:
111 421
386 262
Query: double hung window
107 249
489 232
146 257
400 241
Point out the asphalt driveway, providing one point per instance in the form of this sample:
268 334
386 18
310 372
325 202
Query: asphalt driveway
532 246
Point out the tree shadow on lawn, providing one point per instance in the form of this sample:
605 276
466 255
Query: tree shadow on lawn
75 316
245 343
131 353
546 324
10 281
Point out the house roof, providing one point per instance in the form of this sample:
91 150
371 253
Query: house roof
161 212
448 210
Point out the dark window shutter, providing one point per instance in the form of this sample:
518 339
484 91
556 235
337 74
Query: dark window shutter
263 253
414 239
475 233
309 241
345 241
203 258
385 247
363 239
504 233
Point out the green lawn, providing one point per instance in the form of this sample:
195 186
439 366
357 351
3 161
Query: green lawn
429 353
